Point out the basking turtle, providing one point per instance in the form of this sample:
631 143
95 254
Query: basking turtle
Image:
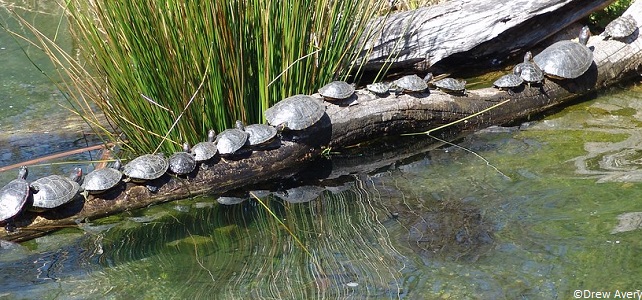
336 91
204 151
55 190
379 88
510 81
145 168
529 71
297 112
183 162
451 85
566 59
231 140
621 27
410 84
258 134
101 180
13 197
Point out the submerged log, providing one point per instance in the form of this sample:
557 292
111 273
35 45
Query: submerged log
343 126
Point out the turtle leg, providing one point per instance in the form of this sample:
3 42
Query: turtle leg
152 188
10 226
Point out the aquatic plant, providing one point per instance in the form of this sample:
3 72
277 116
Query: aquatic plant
186 67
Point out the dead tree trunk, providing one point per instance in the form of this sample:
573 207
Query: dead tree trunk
469 33
373 117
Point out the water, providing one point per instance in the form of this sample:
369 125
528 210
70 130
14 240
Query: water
530 212
35 118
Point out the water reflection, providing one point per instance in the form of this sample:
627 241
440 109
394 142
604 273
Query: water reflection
517 220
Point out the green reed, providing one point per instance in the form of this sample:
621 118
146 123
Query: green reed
175 69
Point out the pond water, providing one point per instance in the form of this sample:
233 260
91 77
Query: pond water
535 211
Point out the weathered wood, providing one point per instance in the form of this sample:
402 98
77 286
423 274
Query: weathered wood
477 33
347 125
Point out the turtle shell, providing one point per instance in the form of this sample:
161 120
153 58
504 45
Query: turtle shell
379 88
13 196
205 150
101 180
300 194
260 134
296 112
230 140
566 59
183 162
509 81
528 70
146 167
55 190
336 90
451 85
621 27
411 83
230 200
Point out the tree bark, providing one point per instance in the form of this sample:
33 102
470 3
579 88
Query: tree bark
342 126
469 33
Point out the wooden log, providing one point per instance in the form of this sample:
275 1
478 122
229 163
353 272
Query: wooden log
342 126
469 33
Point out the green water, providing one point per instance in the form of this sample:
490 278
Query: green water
532 215
535 212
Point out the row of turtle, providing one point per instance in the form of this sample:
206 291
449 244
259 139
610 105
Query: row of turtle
564 59
293 113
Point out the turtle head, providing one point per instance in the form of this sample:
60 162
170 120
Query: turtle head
239 125
76 175
117 164
211 135
186 147
528 56
585 34
517 70
428 77
22 174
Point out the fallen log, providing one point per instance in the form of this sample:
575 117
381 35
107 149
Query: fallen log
469 33
342 126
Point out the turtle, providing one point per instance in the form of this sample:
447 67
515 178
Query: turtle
145 168
100 180
300 194
230 200
54 190
296 112
529 71
379 88
13 197
620 28
258 134
451 85
205 151
410 84
231 140
566 59
336 91
510 81
183 162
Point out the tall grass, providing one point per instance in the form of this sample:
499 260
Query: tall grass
175 69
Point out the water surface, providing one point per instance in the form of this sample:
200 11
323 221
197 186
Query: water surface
535 211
